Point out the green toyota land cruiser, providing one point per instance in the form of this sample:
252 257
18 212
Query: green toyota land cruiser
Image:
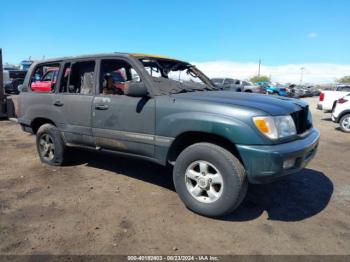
169 112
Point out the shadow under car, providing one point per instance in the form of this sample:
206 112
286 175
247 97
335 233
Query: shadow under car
293 198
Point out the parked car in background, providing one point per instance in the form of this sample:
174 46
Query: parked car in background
328 98
216 140
228 83
294 91
308 91
341 113
276 90
249 87
271 89
315 91
12 79
298 91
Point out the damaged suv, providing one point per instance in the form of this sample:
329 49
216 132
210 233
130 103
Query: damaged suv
167 111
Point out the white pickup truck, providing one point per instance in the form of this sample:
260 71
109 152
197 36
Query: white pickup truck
328 98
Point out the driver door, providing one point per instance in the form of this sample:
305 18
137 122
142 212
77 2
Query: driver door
120 122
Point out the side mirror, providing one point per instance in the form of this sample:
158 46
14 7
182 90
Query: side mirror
136 89
22 88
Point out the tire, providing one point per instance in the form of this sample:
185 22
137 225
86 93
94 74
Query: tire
50 135
344 123
227 196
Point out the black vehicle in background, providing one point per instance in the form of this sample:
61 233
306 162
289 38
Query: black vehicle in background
14 79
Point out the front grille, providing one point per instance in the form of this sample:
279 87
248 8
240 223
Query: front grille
301 121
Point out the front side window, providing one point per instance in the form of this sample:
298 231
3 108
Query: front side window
115 76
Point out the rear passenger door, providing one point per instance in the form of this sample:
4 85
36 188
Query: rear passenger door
74 101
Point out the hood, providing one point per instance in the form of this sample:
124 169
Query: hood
272 105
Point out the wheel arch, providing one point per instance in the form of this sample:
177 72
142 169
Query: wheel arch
187 139
345 112
38 122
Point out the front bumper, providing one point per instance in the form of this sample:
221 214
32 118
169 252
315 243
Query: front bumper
264 164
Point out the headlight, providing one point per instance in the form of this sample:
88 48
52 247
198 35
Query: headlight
275 127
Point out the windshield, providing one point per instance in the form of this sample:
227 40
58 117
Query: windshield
184 76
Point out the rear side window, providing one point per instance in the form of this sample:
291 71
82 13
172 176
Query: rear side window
44 77
78 78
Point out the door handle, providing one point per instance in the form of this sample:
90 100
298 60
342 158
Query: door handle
58 103
101 107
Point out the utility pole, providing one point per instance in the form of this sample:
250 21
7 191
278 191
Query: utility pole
259 67
301 74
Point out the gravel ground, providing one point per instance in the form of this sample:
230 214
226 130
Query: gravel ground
107 204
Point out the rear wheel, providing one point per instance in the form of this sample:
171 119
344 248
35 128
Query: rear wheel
50 145
209 179
345 123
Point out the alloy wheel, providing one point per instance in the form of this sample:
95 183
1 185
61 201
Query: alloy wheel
47 147
346 123
204 181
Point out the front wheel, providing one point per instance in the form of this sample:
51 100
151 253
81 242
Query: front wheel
209 180
345 123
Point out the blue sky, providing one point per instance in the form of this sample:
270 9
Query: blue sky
278 32
223 38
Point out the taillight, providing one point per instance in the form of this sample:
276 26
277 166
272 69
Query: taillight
321 96
342 101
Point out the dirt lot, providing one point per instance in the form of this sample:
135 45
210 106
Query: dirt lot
107 204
